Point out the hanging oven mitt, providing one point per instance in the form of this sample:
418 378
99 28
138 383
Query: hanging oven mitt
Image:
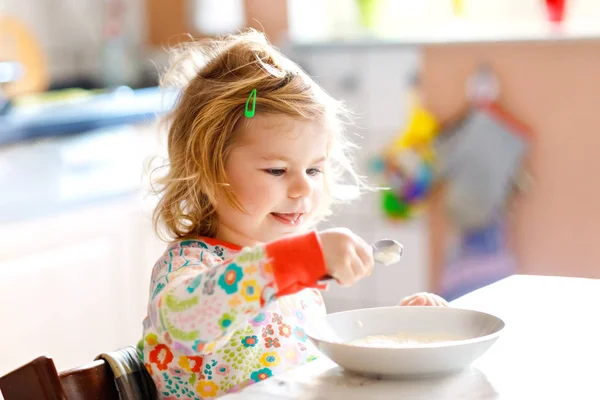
481 158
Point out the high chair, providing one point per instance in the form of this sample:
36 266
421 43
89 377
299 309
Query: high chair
39 380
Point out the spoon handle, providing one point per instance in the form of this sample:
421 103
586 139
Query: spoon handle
326 279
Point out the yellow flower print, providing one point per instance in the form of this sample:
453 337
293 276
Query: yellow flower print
251 269
151 339
210 347
235 301
292 355
270 359
196 363
250 290
207 388
267 269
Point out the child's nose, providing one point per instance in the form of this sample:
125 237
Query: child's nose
300 187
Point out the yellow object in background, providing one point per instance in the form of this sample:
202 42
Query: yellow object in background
422 129
458 6
18 44
55 97
369 12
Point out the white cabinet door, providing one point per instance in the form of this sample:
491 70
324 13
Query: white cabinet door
64 303
341 73
391 71
72 289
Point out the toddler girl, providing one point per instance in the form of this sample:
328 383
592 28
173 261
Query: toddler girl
256 152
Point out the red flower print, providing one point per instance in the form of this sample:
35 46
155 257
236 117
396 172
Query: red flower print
272 342
200 377
276 318
285 330
267 330
161 356
195 363
230 277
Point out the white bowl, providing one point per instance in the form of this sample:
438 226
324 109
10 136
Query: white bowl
477 332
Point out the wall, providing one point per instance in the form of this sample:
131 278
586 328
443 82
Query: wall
554 87
71 31
434 19
167 20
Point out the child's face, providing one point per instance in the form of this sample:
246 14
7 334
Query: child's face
275 170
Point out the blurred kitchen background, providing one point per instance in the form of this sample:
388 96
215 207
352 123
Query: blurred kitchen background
479 116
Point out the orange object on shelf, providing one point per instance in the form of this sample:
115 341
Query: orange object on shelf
18 44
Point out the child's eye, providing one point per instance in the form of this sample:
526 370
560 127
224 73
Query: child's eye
275 171
314 171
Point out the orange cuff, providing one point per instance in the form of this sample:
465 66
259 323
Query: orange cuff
298 262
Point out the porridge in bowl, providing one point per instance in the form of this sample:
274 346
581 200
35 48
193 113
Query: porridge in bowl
403 339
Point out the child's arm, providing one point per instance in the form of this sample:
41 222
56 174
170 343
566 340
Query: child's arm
195 306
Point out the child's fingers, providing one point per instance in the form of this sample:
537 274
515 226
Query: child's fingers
364 252
437 301
359 268
410 300
424 299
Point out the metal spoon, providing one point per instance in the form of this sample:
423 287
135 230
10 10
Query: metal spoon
385 251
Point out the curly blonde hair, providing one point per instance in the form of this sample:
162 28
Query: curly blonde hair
214 79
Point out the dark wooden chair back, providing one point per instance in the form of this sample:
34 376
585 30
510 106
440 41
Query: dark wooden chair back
39 380
94 381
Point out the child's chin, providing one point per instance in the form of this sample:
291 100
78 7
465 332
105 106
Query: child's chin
292 232
289 231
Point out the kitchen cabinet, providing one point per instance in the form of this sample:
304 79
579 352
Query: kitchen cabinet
75 284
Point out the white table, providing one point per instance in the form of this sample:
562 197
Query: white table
550 349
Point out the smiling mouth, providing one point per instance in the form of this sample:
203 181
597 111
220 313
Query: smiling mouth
288 218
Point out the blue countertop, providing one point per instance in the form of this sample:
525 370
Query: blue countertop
85 113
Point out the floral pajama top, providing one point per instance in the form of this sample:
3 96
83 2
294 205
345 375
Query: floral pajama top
221 318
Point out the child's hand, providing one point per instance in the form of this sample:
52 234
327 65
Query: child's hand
348 258
423 299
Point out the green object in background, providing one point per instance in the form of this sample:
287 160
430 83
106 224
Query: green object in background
368 12
393 206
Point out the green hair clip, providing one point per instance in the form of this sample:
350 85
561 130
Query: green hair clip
250 112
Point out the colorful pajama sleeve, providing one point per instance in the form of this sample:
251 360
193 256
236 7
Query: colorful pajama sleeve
191 284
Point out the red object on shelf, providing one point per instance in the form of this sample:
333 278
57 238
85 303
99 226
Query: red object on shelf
556 10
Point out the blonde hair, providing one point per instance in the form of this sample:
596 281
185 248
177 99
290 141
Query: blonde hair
215 78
